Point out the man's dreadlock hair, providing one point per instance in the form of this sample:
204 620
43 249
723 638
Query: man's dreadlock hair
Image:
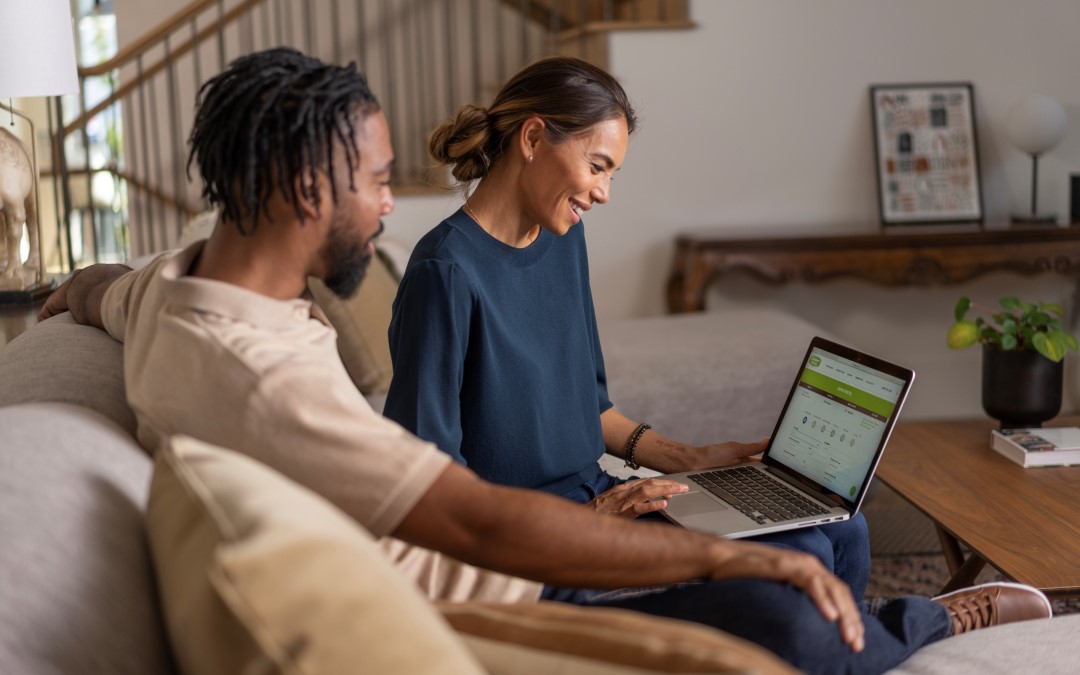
270 118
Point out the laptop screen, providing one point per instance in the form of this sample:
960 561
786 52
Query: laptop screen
836 418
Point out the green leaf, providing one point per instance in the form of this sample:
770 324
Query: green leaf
1009 326
1053 308
962 334
1038 319
1070 341
1046 346
1008 342
962 306
1010 302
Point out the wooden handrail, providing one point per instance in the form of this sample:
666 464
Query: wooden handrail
151 38
181 49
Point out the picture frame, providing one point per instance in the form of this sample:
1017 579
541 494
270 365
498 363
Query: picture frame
926 153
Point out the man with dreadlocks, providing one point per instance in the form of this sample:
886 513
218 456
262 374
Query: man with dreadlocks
222 343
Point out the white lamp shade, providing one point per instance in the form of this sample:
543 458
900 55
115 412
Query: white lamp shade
1036 124
37 51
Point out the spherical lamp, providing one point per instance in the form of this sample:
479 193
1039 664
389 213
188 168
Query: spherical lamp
1035 125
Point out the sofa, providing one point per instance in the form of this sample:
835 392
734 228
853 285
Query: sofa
112 562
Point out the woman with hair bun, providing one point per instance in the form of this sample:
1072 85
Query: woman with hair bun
495 348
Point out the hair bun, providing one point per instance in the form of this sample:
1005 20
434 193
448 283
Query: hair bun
462 142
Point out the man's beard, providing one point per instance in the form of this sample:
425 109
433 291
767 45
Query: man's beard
346 260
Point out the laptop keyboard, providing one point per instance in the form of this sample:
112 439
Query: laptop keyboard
756 495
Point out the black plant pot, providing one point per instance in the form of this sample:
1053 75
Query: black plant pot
1020 388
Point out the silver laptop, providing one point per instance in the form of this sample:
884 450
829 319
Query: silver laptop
820 459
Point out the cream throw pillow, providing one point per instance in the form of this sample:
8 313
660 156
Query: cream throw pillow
548 637
259 575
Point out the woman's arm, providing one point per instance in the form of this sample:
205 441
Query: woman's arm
429 335
667 456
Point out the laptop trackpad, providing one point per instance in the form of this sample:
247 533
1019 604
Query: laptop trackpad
694 503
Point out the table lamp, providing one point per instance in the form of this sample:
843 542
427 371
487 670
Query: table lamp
37 58
1035 125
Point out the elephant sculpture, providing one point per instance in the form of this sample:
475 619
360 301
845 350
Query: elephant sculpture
17 207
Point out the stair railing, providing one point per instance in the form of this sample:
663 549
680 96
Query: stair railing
123 186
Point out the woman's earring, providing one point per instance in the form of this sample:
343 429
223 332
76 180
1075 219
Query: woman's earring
529 159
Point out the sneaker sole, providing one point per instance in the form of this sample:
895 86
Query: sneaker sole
997 584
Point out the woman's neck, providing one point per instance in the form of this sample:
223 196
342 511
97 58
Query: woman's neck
497 206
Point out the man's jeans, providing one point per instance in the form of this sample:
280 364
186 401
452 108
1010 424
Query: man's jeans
784 620
778 616
842 547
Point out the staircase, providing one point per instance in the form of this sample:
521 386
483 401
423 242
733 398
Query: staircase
122 181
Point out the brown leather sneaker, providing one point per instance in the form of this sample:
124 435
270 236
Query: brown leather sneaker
994 604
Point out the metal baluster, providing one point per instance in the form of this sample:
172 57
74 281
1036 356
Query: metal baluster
388 68
523 11
159 178
424 86
61 159
89 175
278 23
475 23
309 27
410 97
265 24
247 33
53 167
361 37
500 45
59 168
221 35
116 118
335 29
174 134
148 243
583 10
553 42
451 50
195 54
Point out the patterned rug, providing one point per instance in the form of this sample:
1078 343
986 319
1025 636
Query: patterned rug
925 573
906 557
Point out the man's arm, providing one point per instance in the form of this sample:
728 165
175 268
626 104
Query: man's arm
538 536
82 294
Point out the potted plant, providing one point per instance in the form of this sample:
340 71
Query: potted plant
1023 347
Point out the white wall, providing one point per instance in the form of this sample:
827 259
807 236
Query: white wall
760 117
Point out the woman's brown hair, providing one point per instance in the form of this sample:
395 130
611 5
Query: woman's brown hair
569 94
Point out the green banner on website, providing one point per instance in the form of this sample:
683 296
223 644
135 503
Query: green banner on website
848 393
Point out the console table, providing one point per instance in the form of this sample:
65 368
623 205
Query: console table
902 259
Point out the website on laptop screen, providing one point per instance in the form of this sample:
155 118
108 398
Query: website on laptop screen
835 421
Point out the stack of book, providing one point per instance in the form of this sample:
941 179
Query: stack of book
1038 447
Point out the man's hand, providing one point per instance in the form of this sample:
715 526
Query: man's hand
804 571
82 294
636 497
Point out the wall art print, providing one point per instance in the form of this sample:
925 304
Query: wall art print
927 153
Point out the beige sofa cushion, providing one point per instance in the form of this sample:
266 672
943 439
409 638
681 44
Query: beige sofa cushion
258 574
361 323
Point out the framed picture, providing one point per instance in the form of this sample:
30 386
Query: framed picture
927 153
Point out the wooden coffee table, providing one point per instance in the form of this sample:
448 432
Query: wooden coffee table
1024 522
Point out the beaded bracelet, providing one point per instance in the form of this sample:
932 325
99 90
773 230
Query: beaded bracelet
631 445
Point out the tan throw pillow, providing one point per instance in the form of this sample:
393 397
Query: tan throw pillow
259 575
548 637
361 323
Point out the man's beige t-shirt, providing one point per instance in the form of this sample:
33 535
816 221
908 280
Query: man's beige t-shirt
262 376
